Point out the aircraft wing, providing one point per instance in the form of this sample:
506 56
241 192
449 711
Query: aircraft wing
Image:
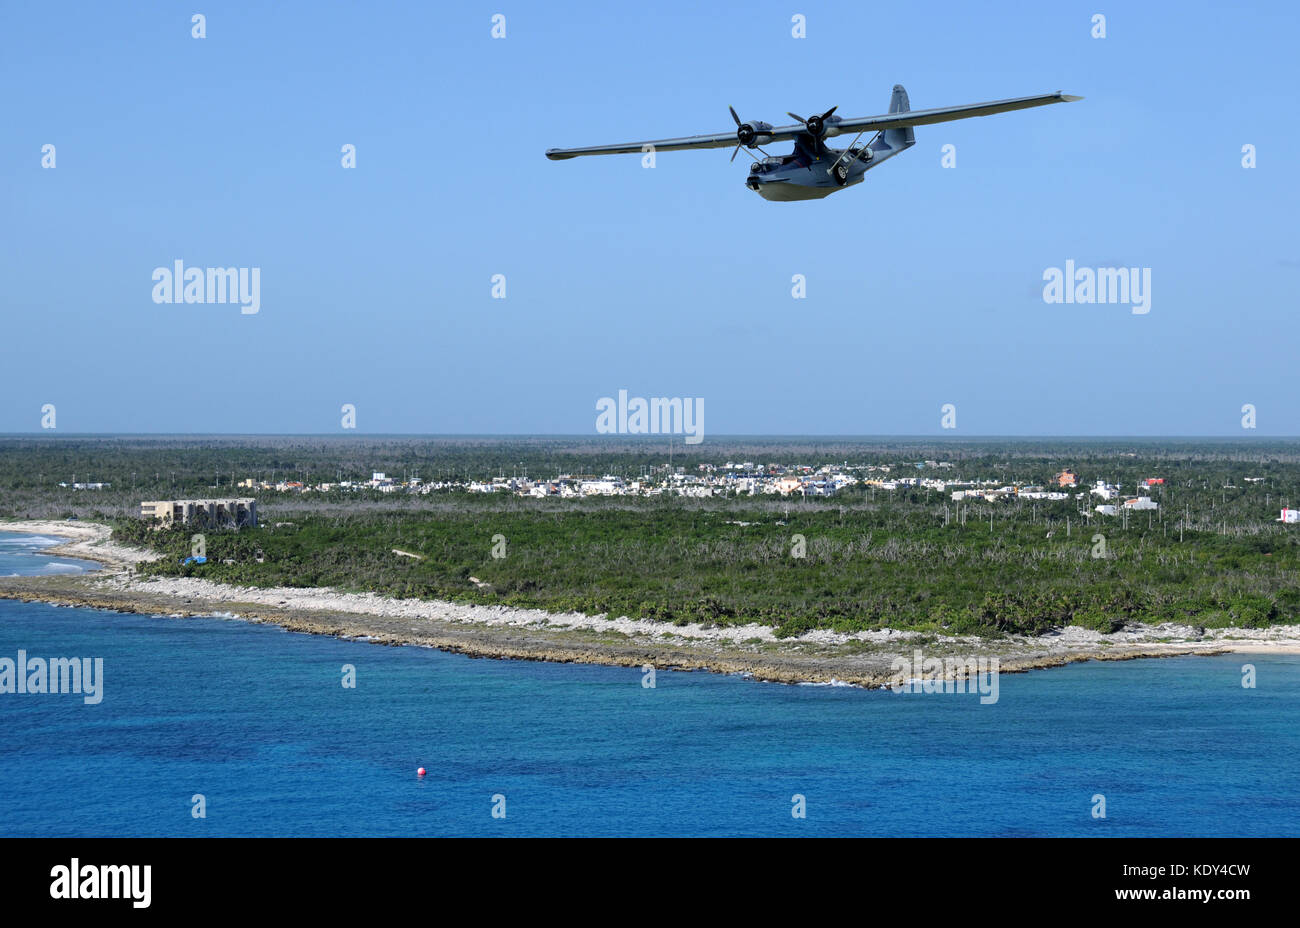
720 140
786 133
949 113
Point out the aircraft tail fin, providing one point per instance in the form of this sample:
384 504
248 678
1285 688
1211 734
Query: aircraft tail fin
905 137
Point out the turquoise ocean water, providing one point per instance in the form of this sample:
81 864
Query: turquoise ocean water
255 720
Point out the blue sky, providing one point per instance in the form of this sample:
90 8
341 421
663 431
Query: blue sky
924 284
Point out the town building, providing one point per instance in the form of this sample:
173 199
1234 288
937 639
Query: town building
1105 490
214 513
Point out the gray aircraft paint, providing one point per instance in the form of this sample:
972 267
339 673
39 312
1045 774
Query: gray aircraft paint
806 173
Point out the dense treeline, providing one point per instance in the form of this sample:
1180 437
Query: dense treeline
890 565
1212 555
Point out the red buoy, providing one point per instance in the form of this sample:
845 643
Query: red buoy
420 772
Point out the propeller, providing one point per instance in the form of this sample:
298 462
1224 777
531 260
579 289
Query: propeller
746 132
815 125
739 125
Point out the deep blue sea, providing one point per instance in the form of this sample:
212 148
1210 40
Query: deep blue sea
255 719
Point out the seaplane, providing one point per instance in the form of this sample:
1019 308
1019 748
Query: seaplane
814 169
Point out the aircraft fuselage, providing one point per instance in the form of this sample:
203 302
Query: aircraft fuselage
808 173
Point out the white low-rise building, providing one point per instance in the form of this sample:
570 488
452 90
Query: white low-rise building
1105 490
606 486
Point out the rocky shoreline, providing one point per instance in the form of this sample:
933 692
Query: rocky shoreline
862 659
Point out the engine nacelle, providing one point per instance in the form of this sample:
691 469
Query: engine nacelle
751 134
823 128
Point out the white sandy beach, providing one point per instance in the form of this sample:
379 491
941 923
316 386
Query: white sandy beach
87 540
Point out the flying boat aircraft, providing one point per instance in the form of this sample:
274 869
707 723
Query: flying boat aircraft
814 169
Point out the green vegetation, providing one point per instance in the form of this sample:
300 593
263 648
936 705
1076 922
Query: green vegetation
1212 555
864 567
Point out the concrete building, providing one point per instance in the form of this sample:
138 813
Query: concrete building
787 485
1105 490
215 513
605 486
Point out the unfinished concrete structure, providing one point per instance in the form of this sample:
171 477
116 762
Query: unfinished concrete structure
214 513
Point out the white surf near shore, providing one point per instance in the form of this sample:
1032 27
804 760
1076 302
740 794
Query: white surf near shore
89 540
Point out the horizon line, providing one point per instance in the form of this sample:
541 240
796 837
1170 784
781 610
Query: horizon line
648 438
